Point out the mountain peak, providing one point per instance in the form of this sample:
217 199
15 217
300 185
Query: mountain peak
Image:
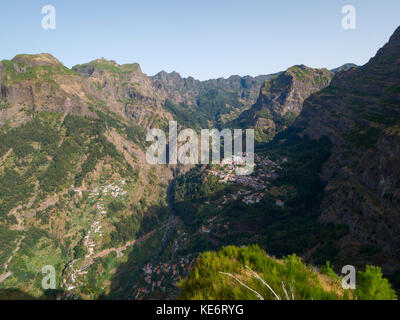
396 35
389 54
344 67
106 65
300 72
164 75
35 60
281 99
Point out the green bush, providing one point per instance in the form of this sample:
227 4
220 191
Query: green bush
206 281
372 286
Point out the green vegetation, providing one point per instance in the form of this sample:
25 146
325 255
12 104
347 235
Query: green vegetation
189 191
81 130
280 231
16 72
21 138
116 206
35 153
41 160
210 107
187 116
266 87
128 68
372 286
364 139
328 270
263 113
393 89
13 190
110 66
215 102
137 135
264 135
288 119
8 241
137 224
300 72
80 251
206 281
16 184
300 281
318 76
4 105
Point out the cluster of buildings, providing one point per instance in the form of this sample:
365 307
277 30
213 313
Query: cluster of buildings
165 267
266 161
266 170
211 223
89 240
228 175
159 275
113 190
74 281
250 181
253 198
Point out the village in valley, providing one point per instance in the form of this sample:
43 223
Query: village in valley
250 189
255 186
154 277
161 275
75 277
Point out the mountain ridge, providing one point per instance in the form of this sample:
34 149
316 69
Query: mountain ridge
359 113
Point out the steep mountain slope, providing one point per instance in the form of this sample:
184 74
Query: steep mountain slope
324 189
211 102
281 100
360 113
75 186
246 88
126 91
77 193
40 83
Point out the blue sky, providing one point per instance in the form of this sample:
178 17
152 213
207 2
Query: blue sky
204 39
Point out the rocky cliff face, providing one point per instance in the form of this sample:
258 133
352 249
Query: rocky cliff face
41 83
281 98
188 90
360 113
126 90
67 139
74 179
212 102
